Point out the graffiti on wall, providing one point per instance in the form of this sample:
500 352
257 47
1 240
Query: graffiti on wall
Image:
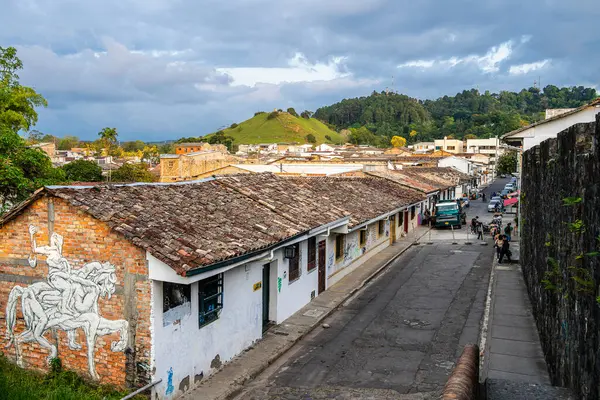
67 300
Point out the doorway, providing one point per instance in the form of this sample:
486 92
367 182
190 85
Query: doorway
406 221
392 229
322 266
266 298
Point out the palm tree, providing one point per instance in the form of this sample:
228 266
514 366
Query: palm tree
109 135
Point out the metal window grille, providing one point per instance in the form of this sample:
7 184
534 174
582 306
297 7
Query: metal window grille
210 298
294 264
312 253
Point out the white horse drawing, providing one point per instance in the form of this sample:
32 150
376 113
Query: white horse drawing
67 302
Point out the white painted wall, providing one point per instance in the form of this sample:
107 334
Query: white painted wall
183 350
537 134
354 255
463 165
294 295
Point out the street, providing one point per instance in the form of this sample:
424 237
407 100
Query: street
401 334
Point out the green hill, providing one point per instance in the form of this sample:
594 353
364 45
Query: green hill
283 128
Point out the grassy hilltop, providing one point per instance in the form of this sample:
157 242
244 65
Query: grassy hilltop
281 127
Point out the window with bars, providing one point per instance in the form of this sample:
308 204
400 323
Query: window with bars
294 263
312 254
210 299
339 246
363 237
400 218
381 228
412 212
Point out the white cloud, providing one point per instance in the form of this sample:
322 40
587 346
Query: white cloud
523 69
487 63
299 70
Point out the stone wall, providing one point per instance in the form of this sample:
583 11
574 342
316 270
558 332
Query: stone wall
121 344
559 253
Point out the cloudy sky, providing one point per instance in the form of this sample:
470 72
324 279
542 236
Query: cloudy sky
162 69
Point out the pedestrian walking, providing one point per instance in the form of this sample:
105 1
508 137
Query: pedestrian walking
505 251
483 197
508 231
498 243
474 223
480 231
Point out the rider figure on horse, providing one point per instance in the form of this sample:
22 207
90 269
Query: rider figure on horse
60 275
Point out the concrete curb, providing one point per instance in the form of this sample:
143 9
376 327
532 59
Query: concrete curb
238 384
483 334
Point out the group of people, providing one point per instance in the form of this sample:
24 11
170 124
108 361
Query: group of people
502 246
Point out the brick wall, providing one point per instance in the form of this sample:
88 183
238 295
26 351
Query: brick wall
85 240
558 254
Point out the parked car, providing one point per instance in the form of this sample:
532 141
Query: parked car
498 198
509 187
492 205
502 176
504 192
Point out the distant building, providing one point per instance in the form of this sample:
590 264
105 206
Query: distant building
185 167
185 148
423 147
449 145
48 148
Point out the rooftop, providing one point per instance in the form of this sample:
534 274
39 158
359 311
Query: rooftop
201 224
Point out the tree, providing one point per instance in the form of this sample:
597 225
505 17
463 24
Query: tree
306 114
68 142
292 112
22 169
221 138
17 103
328 138
273 114
133 146
132 173
108 136
83 171
470 136
507 163
310 138
398 141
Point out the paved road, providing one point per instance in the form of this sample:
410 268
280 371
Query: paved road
396 339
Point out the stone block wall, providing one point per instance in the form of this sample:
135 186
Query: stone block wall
120 361
560 253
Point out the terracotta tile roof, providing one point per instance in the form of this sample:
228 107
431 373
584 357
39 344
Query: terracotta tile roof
288 198
406 180
185 226
443 175
363 198
199 224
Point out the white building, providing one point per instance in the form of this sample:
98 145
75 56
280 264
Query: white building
449 145
223 307
423 147
461 164
532 135
325 148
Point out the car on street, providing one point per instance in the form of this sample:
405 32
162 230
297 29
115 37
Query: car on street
492 205
502 176
509 187
505 192
498 198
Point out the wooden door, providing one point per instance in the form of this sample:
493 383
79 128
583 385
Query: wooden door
405 221
322 266
392 229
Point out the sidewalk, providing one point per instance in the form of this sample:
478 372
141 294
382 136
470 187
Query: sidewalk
230 379
512 351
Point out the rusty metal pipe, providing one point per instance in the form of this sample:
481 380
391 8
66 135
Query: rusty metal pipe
463 383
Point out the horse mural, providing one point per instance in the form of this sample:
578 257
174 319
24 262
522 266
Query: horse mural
68 300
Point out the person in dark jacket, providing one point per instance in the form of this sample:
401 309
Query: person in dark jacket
505 251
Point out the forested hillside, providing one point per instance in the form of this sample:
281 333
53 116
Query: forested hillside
378 117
